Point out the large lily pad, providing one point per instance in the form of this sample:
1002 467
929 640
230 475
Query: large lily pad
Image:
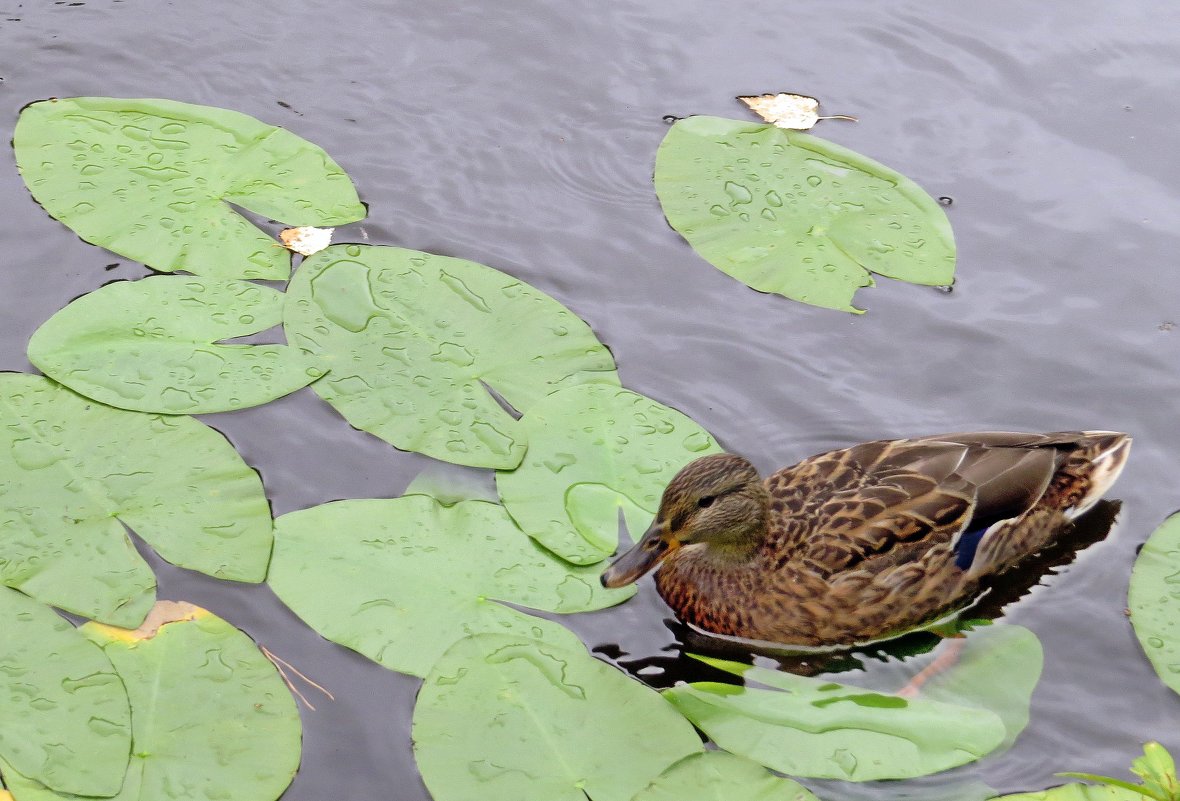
413 341
64 718
400 580
505 718
211 718
149 346
595 449
818 728
718 776
152 180
788 213
73 472
1154 600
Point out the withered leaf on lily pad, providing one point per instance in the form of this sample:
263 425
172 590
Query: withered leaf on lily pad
399 580
787 110
785 212
211 718
152 346
417 344
64 717
153 180
74 472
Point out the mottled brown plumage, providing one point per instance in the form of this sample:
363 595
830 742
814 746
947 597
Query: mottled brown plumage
867 542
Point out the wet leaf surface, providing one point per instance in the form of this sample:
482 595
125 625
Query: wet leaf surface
149 345
818 728
593 450
411 339
73 472
400 580
211 718
507 717
788 213
64 718
152 180
718 776
1154 600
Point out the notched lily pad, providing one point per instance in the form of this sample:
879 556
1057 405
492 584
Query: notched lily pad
400 580
152 180
504 718
416 344
73 472
64 717
718 776
819 728
211 718
1154 600
593 450
150 346
788 213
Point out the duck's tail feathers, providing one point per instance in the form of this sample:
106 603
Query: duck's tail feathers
1108 452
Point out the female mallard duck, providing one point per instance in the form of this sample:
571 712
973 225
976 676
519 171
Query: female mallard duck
863 543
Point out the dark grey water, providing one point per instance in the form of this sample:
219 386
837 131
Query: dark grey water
522 135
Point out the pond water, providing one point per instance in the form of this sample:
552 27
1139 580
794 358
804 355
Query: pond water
522 135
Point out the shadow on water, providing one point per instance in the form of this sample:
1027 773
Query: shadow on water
676 665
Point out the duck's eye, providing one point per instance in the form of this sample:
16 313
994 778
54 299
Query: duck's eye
706 501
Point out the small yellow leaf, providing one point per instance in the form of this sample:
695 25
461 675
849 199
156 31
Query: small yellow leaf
785 110
307 239
162 613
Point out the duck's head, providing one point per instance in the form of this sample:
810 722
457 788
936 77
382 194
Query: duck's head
716 502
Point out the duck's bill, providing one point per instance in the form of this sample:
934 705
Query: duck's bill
643 557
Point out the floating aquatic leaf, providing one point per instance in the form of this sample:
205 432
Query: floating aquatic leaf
818 728
786 110
74 472
1156 768
785 212
505 718
594 449
718 776
210 716
306 240
400 580
149 346
414 341
1076 792
64 718
1154 600
152 180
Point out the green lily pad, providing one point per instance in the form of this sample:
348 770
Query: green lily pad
211 718
73 472
411 339
818 728
718 776
1154 600
149 346
504 718
64 718
1077 792
400 580
152 180
785 212
595 449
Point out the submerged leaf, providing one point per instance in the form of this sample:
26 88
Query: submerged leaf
787 213
414 342
400 580
152 180
818 728
718 776
74 472
505 718
786 110
149 346
210 716
1154 600
593 450
64 718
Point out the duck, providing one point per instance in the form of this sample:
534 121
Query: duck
863 543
